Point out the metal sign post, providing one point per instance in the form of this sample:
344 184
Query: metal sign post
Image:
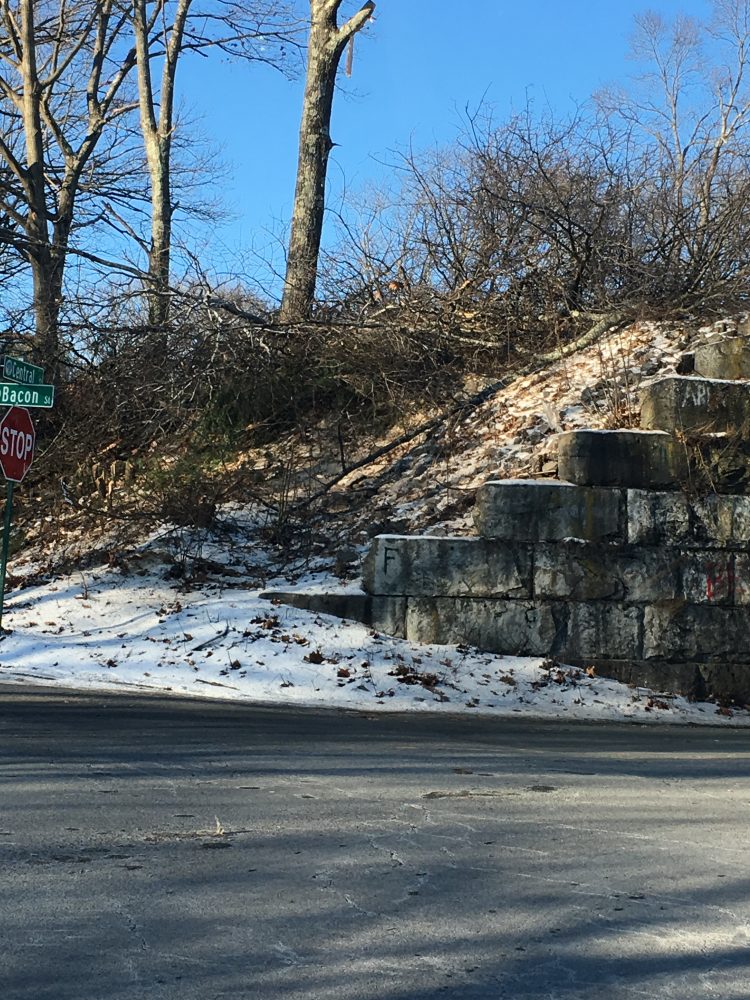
6 542
17 438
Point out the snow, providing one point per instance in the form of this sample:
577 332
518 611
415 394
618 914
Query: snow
530 482
109 630
512 435
635 431
702 378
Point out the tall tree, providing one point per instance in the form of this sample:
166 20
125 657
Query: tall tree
326 44
691 105
157 125
62 71
163 31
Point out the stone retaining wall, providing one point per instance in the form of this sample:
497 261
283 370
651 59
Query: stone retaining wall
622 567
644 610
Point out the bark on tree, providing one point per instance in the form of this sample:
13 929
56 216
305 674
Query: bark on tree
158 129
48 196
326 45
37 229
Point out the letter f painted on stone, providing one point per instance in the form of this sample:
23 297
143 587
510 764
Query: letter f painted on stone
388 556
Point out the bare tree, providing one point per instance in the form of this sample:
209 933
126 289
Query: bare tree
326 44
163 31
61 87
157 125
637 203
691 106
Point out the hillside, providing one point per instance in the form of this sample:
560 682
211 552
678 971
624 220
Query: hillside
178 608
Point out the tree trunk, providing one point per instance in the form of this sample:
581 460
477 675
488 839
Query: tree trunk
158 128
46 307
161 238
46 289
325 47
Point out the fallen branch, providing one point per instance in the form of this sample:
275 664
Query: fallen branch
603 324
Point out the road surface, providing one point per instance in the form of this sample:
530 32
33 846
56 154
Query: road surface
163 848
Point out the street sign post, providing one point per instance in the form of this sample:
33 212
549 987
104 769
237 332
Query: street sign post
17 439
6 542
12 394
21 371
17 436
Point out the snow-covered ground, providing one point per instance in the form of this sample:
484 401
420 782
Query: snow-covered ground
134 630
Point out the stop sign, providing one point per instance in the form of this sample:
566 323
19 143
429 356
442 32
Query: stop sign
16 443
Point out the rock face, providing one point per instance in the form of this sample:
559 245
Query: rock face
453 567
570 570
520 627
708 522
616 567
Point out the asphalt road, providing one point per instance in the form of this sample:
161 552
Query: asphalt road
154 848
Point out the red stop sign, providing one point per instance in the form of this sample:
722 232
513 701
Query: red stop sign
17 438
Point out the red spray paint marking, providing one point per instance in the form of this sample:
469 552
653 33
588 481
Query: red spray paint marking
716 578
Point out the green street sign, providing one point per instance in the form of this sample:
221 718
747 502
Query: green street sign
21 371
12 394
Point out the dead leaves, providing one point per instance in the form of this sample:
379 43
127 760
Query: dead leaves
659 703
271 624
405 674
559 675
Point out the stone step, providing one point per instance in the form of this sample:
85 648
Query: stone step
423 565
540 510
707 522
385 614
727 358
524 628
429 566
527 510
635 459
691 405
586 630
696 651
691 650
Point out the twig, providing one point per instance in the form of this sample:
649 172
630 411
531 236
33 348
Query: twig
600 327
214 638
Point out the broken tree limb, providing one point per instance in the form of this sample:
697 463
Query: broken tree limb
603 324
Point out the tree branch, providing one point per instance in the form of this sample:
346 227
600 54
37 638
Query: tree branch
354 24
616 319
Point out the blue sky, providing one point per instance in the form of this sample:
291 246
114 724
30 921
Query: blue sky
415 71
